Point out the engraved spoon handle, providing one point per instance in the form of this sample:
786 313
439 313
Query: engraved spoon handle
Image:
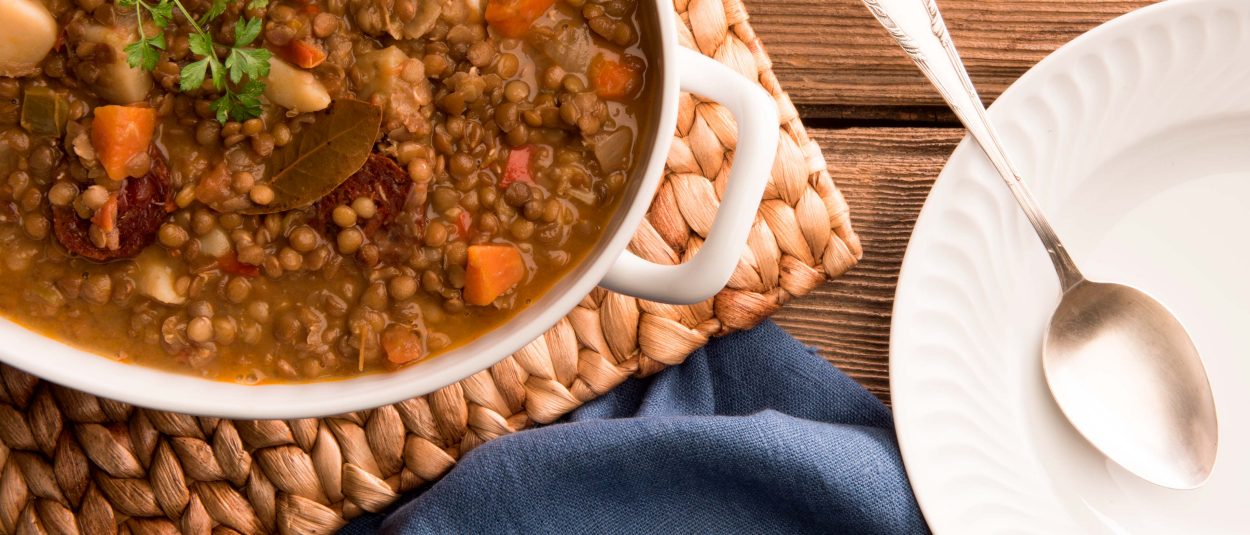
918 28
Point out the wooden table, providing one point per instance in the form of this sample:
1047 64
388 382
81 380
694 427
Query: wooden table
886 134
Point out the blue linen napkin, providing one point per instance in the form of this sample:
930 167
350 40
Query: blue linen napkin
753 433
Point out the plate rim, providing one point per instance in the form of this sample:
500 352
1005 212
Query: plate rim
1135 20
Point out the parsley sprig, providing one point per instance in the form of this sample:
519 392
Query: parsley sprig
237 78
143 53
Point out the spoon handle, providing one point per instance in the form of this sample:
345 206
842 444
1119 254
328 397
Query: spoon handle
918 27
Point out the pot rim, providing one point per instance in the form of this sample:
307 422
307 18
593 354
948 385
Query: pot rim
154 388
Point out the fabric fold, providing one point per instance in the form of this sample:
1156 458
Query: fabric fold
753 433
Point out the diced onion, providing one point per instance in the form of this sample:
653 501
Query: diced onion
156 277
427 15
215 243
570 46
612 150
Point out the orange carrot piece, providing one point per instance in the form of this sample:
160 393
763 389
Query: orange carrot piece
401 344
214 184
492 270
120 133
616 80
512 18
106 216
306 55
230 263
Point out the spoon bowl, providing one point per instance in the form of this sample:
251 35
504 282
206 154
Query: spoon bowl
1124 371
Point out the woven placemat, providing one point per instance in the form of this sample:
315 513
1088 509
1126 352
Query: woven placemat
75 463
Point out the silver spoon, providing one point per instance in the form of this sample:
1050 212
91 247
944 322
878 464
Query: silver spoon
1119 364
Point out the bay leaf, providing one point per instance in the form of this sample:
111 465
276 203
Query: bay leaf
321 156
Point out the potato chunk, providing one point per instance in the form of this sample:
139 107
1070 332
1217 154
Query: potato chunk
294 88
118 82
28 35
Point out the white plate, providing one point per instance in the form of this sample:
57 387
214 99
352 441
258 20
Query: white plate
1136 139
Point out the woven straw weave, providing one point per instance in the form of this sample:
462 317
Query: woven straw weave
75 463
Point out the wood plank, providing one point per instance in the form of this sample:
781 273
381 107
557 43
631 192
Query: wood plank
885 173
837 62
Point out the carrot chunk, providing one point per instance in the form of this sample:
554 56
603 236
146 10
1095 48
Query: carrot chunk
230 263
616 80
512 18
120 133
492 270
106 216
517 169
401 344
306 55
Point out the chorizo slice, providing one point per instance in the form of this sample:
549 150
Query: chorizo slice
140 212
380 179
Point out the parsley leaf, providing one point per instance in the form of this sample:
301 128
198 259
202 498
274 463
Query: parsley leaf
143 53
237 79
246 32
221 107
162 13
215 10
217 73
247 101
201 44
192 76
253 62
241 105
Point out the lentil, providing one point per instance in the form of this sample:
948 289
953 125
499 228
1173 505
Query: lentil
98 288
252 127
281 135
35 225
62 193
224 330
251 254
303 238
172 235
402 287
344 216
435 234
237 290
349 241
200 329
517 194
364 207
261 194
94 197
325 24
202 222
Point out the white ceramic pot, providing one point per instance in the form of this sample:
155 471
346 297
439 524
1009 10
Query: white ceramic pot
609 264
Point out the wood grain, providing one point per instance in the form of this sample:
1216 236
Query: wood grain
885 173
836 62
886 135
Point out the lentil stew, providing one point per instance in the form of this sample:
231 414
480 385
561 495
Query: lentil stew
295 190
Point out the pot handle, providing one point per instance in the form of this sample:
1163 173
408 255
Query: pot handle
707 272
